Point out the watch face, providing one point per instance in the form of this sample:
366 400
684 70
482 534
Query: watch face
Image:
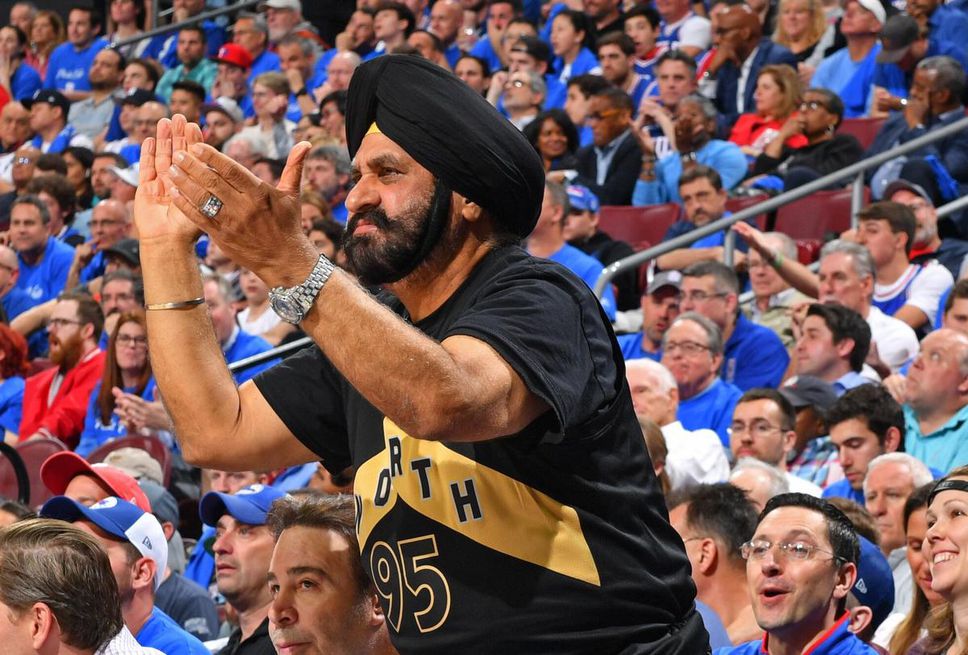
287 309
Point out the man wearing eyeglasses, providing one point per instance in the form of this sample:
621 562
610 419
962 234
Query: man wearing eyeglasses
763 427
55 400
692 350
524 95
753 355
949 251
800 566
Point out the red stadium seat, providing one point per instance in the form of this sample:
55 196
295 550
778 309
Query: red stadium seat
815 215
863 129
154 447
736 204
11 487
34 453
634 225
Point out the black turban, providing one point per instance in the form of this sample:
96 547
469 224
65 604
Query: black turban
451 131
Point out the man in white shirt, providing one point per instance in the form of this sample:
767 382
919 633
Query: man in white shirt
909 292
695 456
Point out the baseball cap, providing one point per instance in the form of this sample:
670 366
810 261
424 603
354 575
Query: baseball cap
904 185
136 97
875 8
248 505
897 35
227 106
163 504
137 463
295 5
128 175
665 279
51 97
874 587
234 55
581 198
127 249
534 46
810 391
120 519
60 468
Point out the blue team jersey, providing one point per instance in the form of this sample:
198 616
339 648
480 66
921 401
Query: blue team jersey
754 356
45 279
11 403
631 345
68 67
161 632
588 269
711 409
96 432
267 62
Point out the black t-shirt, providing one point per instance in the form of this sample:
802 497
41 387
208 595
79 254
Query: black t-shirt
553 540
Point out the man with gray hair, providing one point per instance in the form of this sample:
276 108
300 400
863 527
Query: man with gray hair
773 298
692 350
327 172
694 456
846 276
316 542
891 478
245 148
251 32
524 95
934 101
760 481
44 262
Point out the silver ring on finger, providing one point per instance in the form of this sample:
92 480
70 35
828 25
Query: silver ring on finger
211 207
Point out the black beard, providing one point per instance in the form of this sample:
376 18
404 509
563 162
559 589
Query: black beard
407 240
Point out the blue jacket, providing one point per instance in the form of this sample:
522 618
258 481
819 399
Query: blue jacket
836 641
727 81
953 151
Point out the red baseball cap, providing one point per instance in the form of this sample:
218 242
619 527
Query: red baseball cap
60 468
234 54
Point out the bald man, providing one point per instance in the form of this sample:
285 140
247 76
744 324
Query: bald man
446 20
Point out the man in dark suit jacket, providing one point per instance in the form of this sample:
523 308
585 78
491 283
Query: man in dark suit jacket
934 101
737 37
613 147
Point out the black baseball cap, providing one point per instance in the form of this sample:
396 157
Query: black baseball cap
127 249
897 35
51 97
137 97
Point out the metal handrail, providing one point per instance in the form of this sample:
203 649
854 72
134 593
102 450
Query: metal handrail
942 211
205 15
633 261
258 358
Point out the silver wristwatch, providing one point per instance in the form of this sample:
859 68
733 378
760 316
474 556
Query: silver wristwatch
293 303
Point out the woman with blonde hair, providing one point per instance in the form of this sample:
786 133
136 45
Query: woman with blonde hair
946 549
802 28
776 97
46 33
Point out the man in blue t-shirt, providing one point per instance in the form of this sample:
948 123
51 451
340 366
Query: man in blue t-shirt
660 306
547 240
692 350
44 261
754 356
136 545
236 343
69 62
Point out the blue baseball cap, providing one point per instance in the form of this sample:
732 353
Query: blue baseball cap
581 198
248 505
874 587
120 519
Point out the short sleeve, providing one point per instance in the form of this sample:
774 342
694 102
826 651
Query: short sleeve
928 287
306 393
551 330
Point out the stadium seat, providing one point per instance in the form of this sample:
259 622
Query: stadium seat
635 225
14 480
154 447
736 204
816 215
808 250
863 129
34 453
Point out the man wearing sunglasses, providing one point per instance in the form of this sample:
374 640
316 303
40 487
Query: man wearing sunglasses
800 566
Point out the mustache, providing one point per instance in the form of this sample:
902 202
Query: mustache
375 216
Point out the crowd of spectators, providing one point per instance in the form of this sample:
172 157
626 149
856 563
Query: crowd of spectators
807 409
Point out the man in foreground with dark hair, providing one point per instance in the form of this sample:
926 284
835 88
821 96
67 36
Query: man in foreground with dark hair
800 565
485 425
57 591
321 596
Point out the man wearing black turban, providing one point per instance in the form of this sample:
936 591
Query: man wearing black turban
505 499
